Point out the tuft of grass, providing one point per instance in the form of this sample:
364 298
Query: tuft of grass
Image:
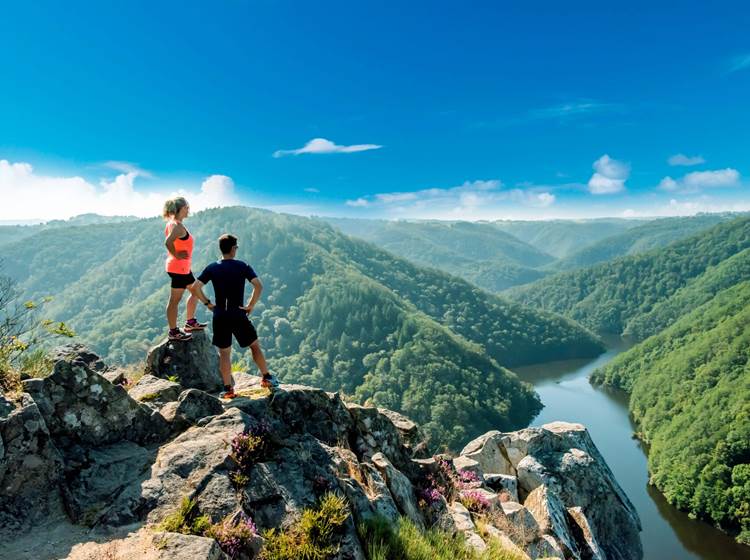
173 378
133 373
186 520
403 540
35 364
317 535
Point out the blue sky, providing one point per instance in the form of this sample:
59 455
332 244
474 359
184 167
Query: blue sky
472 110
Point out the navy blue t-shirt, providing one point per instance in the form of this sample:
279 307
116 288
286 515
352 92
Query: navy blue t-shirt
228 277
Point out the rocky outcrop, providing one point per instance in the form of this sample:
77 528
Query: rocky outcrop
117 463
193 366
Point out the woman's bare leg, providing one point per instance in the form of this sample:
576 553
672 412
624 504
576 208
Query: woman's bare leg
192 304
175 295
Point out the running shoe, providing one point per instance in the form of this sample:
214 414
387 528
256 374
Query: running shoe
179 334
270 381
193 325
228 394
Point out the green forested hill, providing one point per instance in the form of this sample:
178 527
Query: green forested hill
561 238
336 312
608 296
690 396
478 252
645 237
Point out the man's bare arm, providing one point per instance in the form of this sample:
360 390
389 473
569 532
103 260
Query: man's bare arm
255 296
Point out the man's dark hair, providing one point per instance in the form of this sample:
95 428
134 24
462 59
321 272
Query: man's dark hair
226 242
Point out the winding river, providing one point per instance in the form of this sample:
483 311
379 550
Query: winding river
668 534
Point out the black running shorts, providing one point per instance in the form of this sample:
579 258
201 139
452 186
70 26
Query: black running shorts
181 281
233 323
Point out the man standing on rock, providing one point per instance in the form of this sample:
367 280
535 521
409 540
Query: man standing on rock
230 315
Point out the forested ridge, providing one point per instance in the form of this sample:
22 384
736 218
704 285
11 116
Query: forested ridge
690 397
336 312
608 296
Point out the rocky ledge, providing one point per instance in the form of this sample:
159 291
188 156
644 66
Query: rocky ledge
79 450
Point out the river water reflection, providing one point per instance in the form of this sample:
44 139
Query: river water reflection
567 395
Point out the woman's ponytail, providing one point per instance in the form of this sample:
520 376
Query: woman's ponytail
173 206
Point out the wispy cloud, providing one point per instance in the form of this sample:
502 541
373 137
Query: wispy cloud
312 190
609 176
571 110
682 159
482 199
323 146
737 63
30 195
128 167
700 180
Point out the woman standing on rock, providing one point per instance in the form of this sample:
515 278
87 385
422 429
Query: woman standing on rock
179 244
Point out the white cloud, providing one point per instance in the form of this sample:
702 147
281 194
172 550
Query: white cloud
312 190
699 180
682 159
483 199
359 202
609 176
323 146
30 195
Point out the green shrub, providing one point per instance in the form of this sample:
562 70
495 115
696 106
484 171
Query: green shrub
316 536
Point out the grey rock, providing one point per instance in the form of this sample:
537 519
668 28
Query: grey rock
80 407
532 474
545 547
154 391
503 484
463 463
584 535
30 469
79 354
489 452
110 469
551 515
522 524
400 487
175 546
195 405
195 363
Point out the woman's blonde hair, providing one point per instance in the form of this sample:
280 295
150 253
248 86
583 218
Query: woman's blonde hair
173 206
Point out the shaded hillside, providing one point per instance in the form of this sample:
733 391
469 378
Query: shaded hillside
477 252
640 239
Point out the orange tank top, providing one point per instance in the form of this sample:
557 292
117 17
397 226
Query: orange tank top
175 265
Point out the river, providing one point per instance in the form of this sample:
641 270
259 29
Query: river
668 534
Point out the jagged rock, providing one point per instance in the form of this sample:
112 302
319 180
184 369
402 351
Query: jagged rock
412 435
80 407
195 405
545 547
110 469
532 474
195 363
488 451
79 354
551 515
462 463
503 483
523 525
584 536
507 543
489 497
464 524
382 502
154 391
30 467
115 376
401 489
175 546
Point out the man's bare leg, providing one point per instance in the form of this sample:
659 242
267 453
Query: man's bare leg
259 358
225 366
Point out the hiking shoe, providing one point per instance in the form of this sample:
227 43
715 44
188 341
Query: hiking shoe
193 325
179 334
270 381
228 394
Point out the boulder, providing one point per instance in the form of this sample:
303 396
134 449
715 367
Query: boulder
194 363
80 407
400 487
532 474
463 463
154 391
522 526
195 405
584 536
30 468
488 451
546 547
79 354
493 533
175 546
504 484
552 518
